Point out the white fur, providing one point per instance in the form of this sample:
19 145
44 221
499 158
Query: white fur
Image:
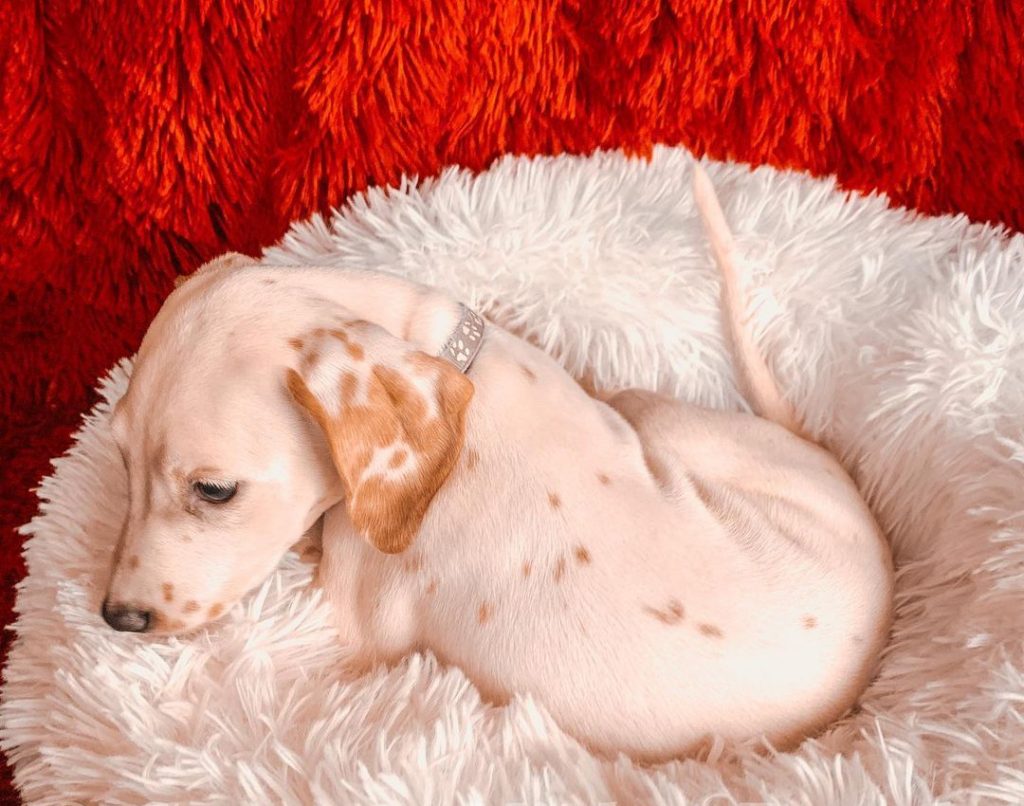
898 341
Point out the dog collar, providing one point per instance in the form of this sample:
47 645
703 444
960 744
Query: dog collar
464 343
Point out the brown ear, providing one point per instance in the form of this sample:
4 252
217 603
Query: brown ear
394 418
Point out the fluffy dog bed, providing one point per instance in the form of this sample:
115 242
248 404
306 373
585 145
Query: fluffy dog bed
900 338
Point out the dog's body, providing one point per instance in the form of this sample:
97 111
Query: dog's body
653 572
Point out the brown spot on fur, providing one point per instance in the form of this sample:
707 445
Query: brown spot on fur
168 592
297 344
582 555
672 613
603 478
472 459
710 630
527 568
355 351
554 500
432 587
268 282
133 561
191 606
398 459
309 358
529 373
177 624
310 554
559 569
216 610
485 612
810 622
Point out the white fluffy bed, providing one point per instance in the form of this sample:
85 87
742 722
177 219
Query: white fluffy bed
901 339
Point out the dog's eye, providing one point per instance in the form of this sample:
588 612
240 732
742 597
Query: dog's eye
216 492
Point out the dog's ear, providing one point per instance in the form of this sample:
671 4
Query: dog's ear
394 418
227 259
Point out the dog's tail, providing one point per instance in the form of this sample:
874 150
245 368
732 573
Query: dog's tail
756 378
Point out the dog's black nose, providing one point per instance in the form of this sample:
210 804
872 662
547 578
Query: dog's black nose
125 618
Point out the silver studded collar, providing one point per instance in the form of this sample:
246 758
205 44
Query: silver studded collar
464 343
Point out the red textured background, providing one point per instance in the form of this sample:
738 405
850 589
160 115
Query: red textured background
138 139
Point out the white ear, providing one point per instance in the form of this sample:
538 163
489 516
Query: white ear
226 261
394 418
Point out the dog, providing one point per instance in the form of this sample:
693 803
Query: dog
653 572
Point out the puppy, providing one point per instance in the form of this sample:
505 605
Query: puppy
652 571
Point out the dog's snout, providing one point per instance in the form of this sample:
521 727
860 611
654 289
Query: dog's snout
125 618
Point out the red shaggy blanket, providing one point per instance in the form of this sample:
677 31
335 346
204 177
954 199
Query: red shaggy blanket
139 139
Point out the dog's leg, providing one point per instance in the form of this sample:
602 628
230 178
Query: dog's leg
371 595
671 435
339 576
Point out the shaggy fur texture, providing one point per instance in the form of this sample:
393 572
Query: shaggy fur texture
898 337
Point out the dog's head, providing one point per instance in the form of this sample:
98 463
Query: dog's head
251 411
